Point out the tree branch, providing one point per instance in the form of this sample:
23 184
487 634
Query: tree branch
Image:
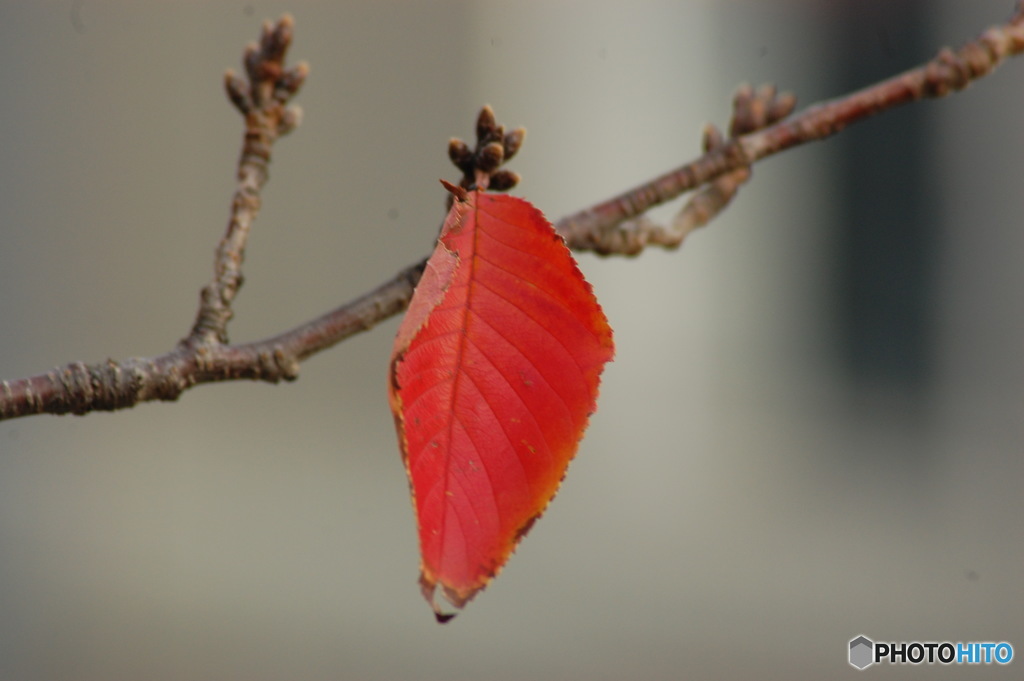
261 100
611 227
601 228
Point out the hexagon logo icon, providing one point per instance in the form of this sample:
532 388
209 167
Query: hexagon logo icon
862 652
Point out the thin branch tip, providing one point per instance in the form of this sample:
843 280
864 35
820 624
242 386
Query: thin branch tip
763 124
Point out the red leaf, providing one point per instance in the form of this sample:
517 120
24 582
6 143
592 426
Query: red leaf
493 376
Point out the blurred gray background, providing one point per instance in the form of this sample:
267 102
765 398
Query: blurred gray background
812 430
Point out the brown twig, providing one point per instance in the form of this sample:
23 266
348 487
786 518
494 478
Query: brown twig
204 356
752 110
601 228
261 98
